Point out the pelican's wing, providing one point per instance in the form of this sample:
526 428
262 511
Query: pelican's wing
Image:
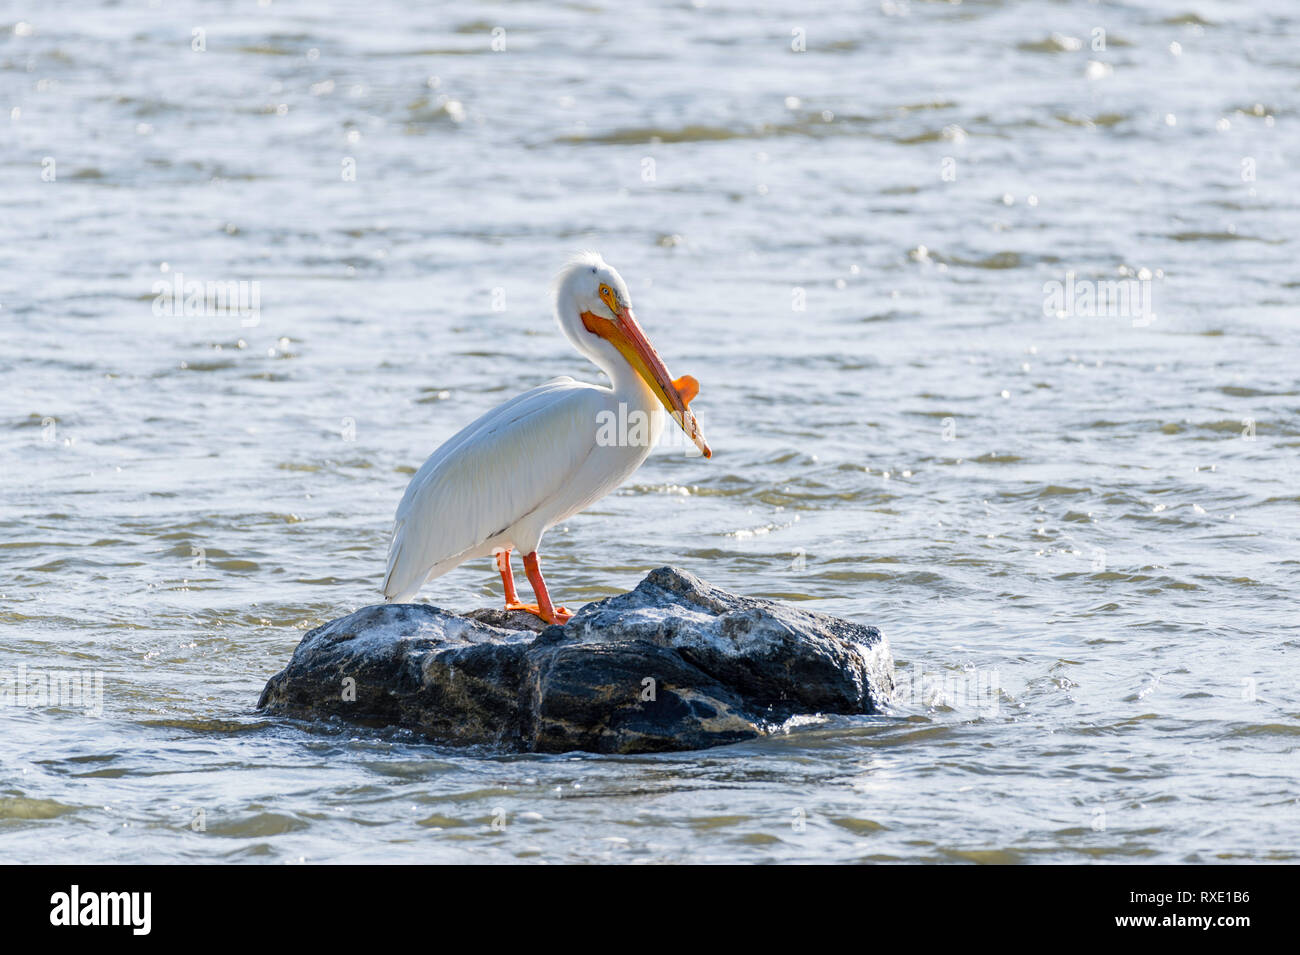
487 477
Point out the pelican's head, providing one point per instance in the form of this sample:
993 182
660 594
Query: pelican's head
594 309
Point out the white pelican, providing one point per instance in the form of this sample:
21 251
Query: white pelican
497 485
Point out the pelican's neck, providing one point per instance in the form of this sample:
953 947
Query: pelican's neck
630 393
627 384
631 387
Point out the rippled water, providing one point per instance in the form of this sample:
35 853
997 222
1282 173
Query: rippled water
1080 534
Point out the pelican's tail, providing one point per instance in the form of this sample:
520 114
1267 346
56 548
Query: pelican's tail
400 583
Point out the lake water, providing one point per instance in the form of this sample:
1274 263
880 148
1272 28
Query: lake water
1072 508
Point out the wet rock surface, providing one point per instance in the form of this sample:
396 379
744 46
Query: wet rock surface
674 664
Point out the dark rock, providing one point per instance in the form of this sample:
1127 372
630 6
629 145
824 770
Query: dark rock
508 619
674 664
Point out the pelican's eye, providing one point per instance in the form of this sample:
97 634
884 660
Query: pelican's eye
607 296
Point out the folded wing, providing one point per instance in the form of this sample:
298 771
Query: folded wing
487 478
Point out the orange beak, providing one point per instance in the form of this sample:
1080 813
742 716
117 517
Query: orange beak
625 334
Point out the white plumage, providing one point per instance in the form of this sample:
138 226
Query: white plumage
470 498
499 483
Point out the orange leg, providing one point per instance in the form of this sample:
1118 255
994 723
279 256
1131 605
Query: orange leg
547 612
542 609
507 577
